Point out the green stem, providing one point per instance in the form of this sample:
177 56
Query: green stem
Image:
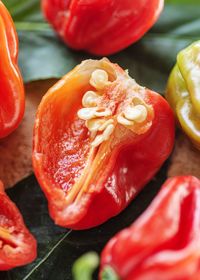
108 273
84 267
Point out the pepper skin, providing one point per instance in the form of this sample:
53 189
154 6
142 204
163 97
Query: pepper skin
12 101
17 246
183 91
101 27
99 137
164 243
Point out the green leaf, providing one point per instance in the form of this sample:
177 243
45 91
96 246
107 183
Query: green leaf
149 60
23 10
58 248
182 2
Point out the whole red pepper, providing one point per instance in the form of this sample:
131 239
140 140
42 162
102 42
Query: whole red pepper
17 245
99 138
101 27
164 243
12 101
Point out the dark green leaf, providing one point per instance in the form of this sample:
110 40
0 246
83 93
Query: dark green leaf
182 2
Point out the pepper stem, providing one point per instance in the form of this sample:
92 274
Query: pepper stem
84 267
108 273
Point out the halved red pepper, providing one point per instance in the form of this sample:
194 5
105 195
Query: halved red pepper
99 138
101 27
17 245
12 101
164 243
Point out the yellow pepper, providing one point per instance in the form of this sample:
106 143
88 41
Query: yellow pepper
183 91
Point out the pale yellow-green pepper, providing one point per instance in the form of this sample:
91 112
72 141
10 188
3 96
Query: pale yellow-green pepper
183 91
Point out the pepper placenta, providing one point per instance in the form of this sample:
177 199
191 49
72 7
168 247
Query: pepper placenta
99 137
164 243
183 91
101 27
17 245
12 101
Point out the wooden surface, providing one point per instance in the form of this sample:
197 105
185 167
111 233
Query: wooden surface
15 150
185 159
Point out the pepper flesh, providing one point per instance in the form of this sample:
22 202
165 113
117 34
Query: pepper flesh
80 165
82 24
17 246
12 101
183 91
164 243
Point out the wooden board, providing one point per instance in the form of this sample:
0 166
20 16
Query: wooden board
185 159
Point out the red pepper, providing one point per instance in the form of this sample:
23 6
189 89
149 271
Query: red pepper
11 85
164 243
99 138
17 246
101 27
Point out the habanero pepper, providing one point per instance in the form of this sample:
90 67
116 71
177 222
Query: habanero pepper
164 243
99 137
82 24
17 245
12 100
183 91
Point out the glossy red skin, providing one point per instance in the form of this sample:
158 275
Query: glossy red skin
10 217
141 158
12 101
164 243
116 24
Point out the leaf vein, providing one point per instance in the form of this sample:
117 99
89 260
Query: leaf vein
47 255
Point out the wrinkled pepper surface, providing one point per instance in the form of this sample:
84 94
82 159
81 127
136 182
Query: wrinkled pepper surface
17 246
183 91
101 27
99 137
164 243
12 101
